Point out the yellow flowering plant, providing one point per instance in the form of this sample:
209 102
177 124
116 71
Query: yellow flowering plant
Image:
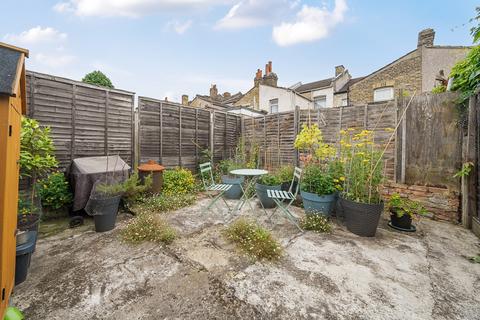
310 141
363 166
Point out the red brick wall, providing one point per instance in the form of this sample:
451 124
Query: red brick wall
443 204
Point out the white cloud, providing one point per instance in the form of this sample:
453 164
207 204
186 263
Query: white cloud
311 24
52 61
178 26
253 13
36 35
130 8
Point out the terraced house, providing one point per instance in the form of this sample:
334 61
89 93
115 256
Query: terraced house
419 70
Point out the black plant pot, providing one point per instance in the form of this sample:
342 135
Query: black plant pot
361 218
404 222
104 212
23 256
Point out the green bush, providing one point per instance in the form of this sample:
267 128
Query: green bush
270 180
402 206
285 173
255 241
134 188
316 223
439 89
98 78
178 181
55 191
147 227
316 181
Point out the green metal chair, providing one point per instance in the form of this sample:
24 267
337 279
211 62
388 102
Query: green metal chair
211 187
284 199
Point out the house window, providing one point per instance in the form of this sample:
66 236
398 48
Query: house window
383 94
344 102
274 106
319 102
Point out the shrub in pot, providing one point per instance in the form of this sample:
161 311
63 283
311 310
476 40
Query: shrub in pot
264 183
318 191
402 211
285 174
104 202
225 166
360 201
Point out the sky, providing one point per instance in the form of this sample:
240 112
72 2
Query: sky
166 48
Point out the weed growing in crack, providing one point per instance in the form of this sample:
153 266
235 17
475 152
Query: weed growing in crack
148 227
254 240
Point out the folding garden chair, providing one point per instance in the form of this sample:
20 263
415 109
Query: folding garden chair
211 186
284 199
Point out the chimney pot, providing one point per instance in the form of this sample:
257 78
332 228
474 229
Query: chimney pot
185 100
339 70
270 69
267 70
213 91
426 37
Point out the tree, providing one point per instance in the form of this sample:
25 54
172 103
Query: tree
98 78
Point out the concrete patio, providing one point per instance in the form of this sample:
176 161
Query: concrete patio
79 274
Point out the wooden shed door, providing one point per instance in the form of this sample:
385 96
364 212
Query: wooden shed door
10 122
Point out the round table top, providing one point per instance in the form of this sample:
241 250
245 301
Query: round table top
249 172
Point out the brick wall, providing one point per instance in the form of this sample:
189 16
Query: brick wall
443 204
251 98
405 73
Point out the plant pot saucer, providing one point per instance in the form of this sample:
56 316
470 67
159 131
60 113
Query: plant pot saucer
412 228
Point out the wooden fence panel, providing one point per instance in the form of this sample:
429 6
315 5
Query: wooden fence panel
176 135
85 120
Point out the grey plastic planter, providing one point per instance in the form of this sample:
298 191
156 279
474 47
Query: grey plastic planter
105 213
361 218
235 191
24 255
261 190
315 204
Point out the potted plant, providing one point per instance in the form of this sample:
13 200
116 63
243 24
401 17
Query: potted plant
36 160
285 174
360 200
225 166
402 211
318 191
319 185
104 202
264 183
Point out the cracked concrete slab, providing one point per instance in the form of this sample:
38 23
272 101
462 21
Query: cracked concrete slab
84 275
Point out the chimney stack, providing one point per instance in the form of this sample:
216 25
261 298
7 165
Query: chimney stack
339 70
426 38
213 91
258 77
185 100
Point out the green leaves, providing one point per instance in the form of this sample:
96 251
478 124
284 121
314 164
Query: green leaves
316 180
36 149
98 78
402 206
54 191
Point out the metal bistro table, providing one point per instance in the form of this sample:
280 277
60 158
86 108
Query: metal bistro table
251 176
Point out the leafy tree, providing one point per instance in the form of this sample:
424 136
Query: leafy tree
466 73
98 78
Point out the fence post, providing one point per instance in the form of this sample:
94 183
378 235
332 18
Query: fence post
278 140
31 111
225 138
160 149
106 122
264 141
212 138
196 137
296 123
135 136
180 136
468 183
404 145
73 119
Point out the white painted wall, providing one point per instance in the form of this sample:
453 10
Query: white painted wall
287 99
328 92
